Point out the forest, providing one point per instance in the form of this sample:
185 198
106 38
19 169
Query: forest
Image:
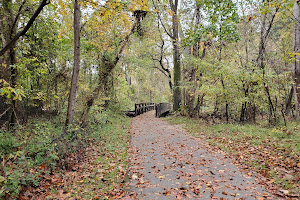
69 70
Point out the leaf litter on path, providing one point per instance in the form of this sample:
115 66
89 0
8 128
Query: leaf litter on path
174 165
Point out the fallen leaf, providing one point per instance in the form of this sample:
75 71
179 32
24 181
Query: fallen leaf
134 176
286 192
167 193
271 181
225 193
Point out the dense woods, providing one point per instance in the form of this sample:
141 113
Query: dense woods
68 68
235 58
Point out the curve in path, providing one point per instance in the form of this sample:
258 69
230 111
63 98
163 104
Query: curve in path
168 163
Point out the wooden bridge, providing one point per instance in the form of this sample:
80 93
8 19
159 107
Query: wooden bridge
161 109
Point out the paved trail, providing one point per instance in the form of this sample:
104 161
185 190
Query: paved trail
167 163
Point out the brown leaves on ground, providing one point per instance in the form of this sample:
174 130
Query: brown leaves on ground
99 174
168 163
96 172
274 158
277 165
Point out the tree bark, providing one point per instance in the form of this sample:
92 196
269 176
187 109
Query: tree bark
76 68
176 56
288 104
296 63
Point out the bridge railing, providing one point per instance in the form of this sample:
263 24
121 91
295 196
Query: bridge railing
162 109
141 108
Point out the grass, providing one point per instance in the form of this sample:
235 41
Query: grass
272 152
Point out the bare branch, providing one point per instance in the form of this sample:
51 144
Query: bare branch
162 71
5 112
271 22
159 18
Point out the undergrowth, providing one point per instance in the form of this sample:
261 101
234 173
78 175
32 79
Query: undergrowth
36 161
273 152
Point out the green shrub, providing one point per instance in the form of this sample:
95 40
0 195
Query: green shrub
7 143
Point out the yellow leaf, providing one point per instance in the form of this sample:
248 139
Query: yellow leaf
162 176
18 153
171 13
155 10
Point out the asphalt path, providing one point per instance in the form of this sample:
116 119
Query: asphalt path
167 163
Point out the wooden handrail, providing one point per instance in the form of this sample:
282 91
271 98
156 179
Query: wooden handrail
162 109
141 108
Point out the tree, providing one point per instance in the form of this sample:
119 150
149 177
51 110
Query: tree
13 22
161 56
111 55
76 68
296 63
190 70
176 54
9 23
174 36
217 25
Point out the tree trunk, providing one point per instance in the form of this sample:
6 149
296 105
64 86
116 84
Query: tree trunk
225 96
198 105
13 83
176 56
296 63
75 75
288 104
190 76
